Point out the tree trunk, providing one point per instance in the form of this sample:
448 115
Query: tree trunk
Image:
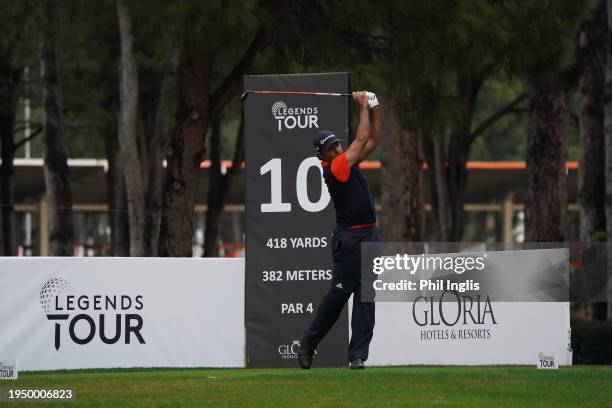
128 143
115 183
155 139
437 174
402 179
117 201
184 155
458 152
56 161
447 172
440 177
460 145
214 213
546 200
196 105
608 143
220 185
430 176
6 182
591 173
9 80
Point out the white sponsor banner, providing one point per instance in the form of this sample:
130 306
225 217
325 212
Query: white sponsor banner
471 332
64 313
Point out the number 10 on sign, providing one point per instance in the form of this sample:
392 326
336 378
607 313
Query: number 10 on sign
276 204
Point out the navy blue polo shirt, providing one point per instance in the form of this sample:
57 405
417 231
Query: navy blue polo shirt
349 192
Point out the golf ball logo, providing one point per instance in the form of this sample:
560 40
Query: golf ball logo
51 289
278 108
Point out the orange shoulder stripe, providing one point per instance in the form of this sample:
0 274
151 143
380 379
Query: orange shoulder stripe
340 168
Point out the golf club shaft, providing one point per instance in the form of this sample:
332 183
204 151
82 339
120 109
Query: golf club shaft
246 93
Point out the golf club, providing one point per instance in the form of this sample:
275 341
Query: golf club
246 93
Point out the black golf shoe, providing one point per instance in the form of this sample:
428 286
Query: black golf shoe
305 358
357 364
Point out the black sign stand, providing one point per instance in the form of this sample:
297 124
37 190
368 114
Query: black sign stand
289 217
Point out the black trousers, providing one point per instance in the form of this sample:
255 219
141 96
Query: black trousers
346 280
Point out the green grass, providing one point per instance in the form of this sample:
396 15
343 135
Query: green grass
419 386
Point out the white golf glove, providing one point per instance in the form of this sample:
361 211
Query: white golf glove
372 99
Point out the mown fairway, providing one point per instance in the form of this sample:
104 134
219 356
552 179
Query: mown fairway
327 387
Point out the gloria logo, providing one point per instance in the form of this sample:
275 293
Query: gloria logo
113 318
304 117
290 351
287 351
462 310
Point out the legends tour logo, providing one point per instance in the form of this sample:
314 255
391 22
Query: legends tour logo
8 370
113 318
305 117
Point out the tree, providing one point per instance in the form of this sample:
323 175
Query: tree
92 97
199 102
447 158
550 72
219 185
608 142
56 161
401 178
367 33
591 174
156 97
9 82
14 45
546 200
128 144
441 60
117 197
432 59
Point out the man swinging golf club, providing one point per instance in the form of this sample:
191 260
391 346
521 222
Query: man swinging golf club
356 219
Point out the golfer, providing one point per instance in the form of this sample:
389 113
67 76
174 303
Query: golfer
356 223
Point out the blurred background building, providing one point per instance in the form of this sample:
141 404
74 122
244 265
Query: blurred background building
494 206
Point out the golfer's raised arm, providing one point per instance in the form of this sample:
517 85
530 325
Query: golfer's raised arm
374 132
356 150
